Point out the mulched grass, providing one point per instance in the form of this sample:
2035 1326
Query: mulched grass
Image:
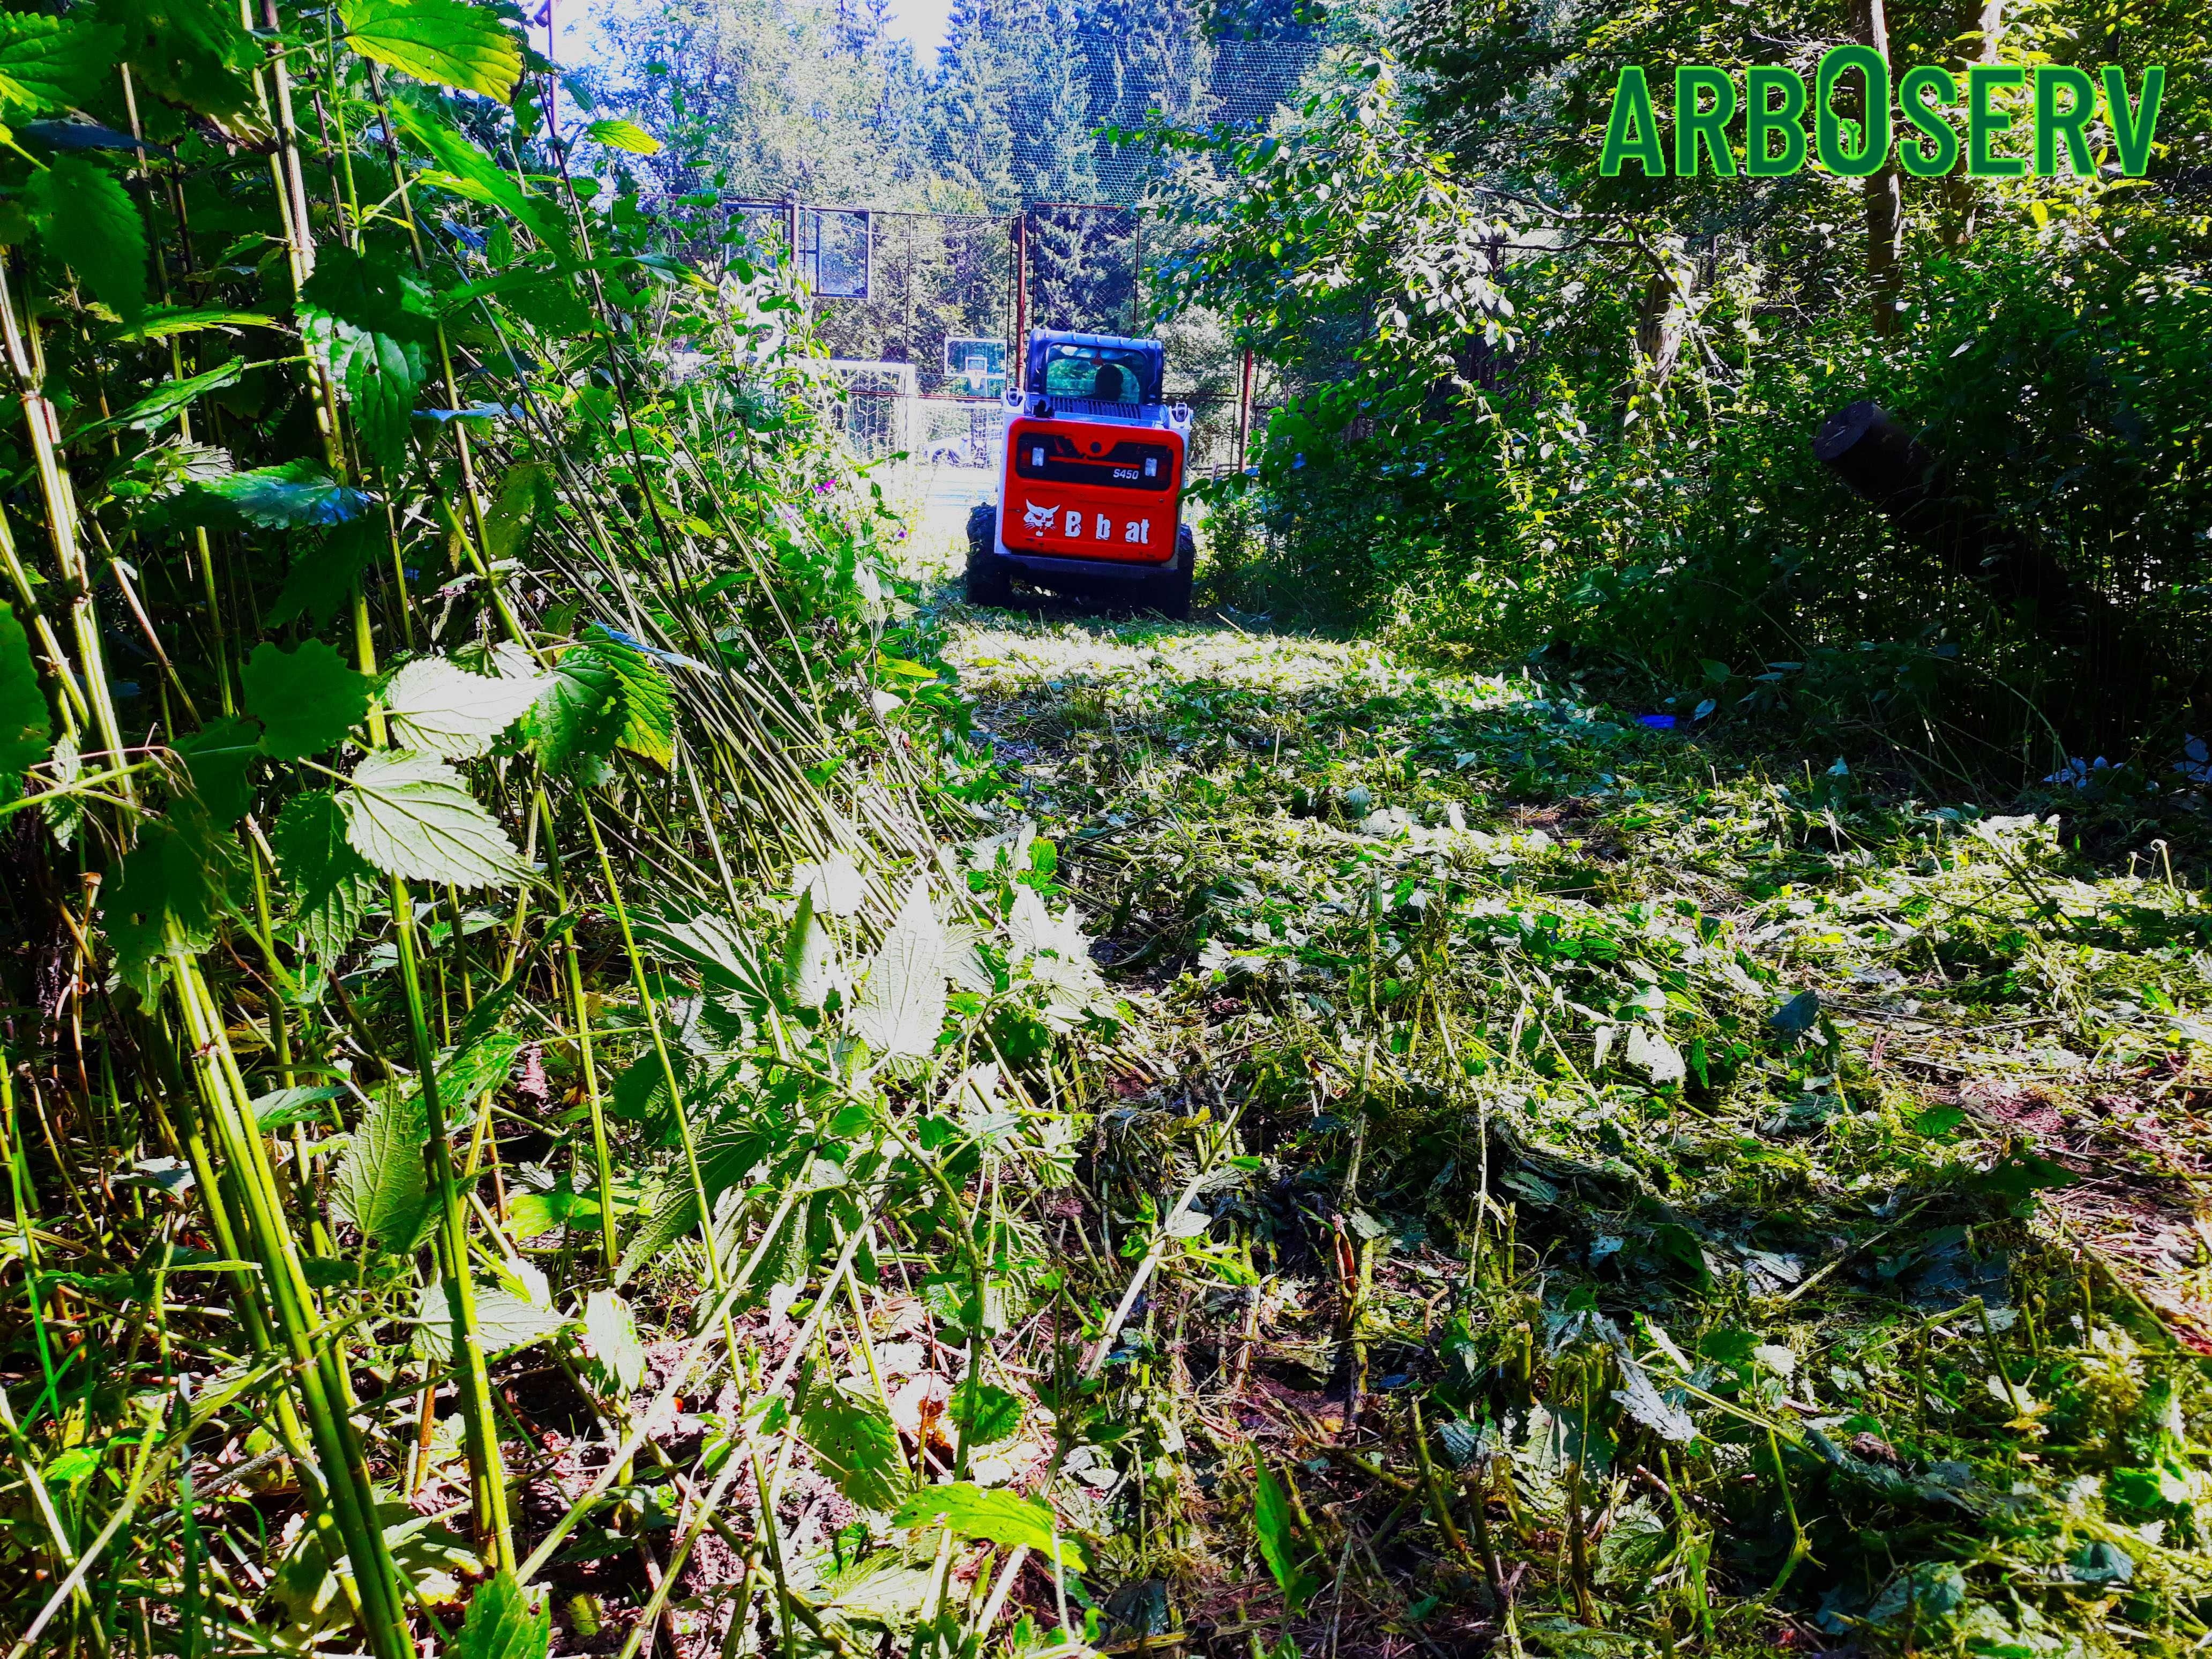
1661 1112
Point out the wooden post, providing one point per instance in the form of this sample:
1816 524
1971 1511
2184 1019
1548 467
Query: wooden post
1244 408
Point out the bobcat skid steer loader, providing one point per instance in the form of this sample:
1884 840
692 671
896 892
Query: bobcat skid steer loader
1091 481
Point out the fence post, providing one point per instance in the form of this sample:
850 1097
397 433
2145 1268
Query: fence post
1137 273
1244 408
1020 367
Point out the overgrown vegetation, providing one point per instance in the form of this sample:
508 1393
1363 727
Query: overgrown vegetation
1526 406
587 1070
468 864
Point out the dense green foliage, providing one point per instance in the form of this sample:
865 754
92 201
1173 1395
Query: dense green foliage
773 100
586 1068
1524 404
473 902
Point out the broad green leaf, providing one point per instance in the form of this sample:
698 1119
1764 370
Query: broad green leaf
280 1109
526 494
903 1004
50 62
885 1591
648 705
676 1217
27 725
160 324
157 407
170 467
641 1092
366 319
434 1561
412 814
985 1412
374 292
63 812
331 884
617 134
1644 1401
1271 1520
321 578
286 497
476 1067
1796 1016
529 1214
183 873
1000 1516
708 943
580 715
501 1624
442 41
196 54
1635 1546
810 965
611 1330
835 884
505 1320
855 1445
381 376
379 1184
218 756
1645 1048
88 221
307 699
468 170
436 707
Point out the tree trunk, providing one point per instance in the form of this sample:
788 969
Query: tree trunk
1882 193
1658 330
1960 194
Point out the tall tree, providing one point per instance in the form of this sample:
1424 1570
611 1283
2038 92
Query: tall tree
1882 195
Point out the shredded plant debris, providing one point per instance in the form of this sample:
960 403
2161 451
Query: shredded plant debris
1672 1200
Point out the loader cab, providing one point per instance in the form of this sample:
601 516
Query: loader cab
1081 370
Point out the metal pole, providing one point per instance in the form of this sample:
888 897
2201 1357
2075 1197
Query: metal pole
1136 271
1021 299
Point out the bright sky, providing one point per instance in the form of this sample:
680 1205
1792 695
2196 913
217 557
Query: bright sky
921 21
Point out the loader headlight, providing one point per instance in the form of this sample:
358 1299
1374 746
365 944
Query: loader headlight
1151 467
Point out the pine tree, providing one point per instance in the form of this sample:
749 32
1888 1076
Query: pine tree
973 136
1056 154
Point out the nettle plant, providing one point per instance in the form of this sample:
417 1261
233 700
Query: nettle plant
439 623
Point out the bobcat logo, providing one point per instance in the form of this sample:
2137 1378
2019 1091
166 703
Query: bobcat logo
1037 517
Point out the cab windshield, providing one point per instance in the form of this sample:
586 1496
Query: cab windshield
1107 375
